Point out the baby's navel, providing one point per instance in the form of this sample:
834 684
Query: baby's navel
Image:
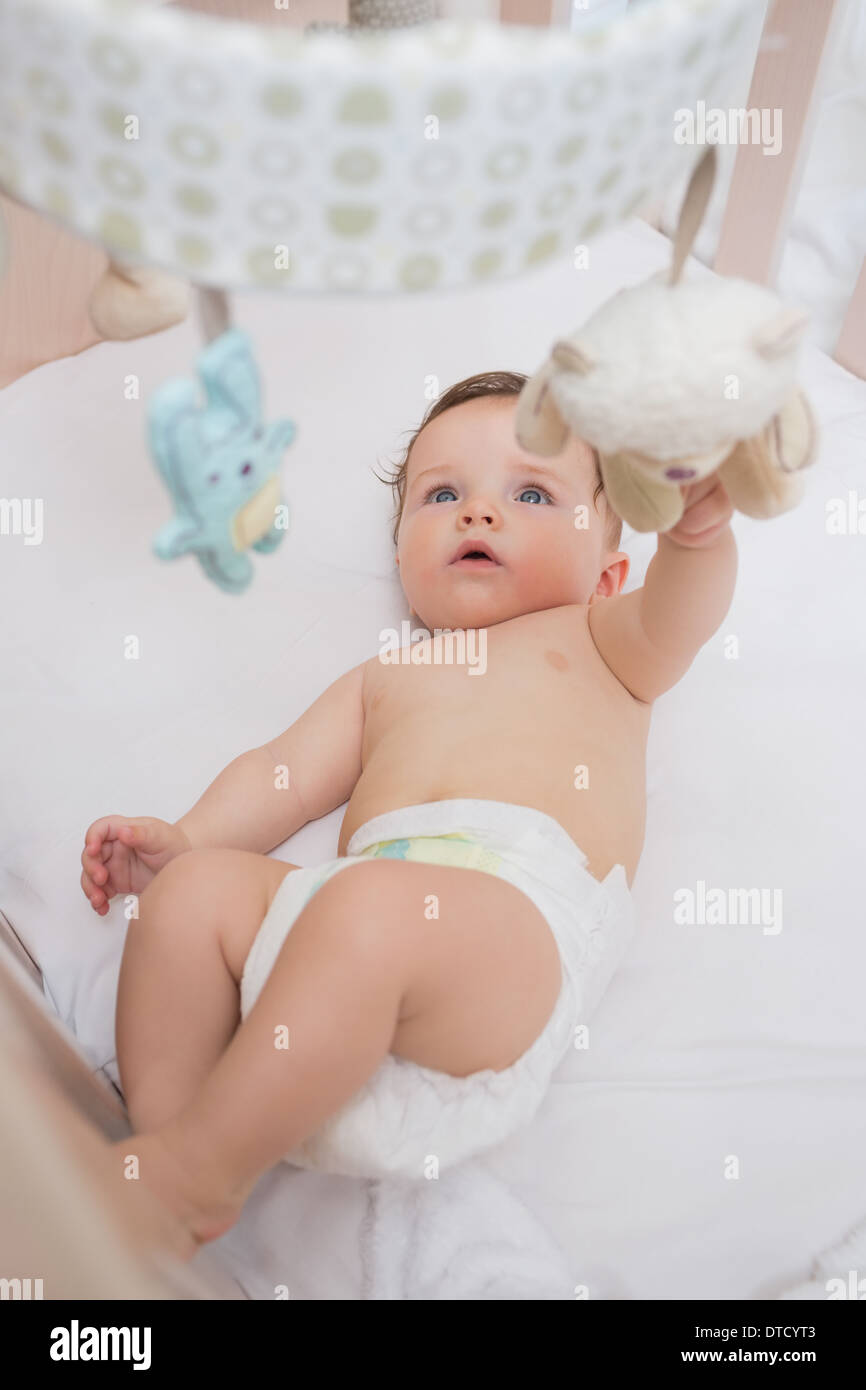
557 660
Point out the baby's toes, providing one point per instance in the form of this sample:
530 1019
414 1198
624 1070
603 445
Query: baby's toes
202 1217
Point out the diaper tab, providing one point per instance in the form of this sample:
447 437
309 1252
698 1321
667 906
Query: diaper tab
450 849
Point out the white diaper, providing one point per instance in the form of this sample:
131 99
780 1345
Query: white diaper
406 1113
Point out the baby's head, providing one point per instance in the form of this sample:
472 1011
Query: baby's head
463 479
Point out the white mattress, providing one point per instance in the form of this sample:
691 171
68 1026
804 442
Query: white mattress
712 1041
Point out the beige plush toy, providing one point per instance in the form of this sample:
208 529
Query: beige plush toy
131 301
672 380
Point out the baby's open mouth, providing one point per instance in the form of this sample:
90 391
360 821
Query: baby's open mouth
475 555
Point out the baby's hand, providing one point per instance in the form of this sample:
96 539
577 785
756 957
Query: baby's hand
122 854
707 512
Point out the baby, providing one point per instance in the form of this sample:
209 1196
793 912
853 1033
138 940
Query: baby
399 1020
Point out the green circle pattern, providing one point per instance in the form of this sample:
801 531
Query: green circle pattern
518 171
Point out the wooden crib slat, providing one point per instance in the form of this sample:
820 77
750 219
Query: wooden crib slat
525 11
851 347
795 42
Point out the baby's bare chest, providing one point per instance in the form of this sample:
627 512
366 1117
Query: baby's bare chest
538 681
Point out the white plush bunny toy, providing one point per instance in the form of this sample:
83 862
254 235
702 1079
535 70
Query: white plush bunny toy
672 380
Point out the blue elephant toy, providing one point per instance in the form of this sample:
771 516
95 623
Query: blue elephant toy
220 463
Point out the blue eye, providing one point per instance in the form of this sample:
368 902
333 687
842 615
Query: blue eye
539 491
436 489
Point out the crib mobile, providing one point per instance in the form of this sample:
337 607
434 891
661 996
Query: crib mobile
401 154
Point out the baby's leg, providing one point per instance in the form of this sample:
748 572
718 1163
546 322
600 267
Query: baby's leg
360 962
177 999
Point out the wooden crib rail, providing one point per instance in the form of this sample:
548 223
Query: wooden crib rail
62 1220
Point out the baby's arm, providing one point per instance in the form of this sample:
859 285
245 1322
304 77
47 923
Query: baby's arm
650 637
252 806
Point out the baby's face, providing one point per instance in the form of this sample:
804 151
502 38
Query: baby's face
469 480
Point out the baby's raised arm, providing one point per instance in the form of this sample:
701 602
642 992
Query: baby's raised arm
265 795
650 637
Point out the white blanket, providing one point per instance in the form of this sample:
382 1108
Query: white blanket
718 1050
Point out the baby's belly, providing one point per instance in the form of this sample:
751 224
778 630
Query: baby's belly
598 799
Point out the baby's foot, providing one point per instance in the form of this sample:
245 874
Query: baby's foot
202 1217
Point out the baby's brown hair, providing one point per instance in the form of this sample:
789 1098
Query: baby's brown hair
482 384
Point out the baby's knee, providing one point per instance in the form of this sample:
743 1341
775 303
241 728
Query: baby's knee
182 867
216 887
186 877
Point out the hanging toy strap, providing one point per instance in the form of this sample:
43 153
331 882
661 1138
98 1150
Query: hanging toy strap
214 315
693 209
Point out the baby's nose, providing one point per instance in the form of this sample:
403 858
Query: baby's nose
479 511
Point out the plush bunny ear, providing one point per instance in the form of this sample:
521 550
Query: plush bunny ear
539 427
571 356
780 334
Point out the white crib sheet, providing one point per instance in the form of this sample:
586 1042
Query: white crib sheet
712 1042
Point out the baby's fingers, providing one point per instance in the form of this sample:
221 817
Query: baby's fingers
693 493
93 865
97 897
710 509
97 843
